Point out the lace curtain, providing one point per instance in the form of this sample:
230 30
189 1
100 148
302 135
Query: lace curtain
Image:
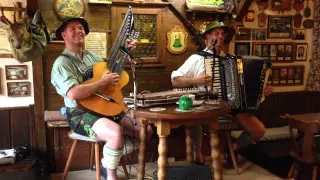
313 82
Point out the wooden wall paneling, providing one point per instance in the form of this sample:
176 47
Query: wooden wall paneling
20 127
62 146
40 127
33 142
5 136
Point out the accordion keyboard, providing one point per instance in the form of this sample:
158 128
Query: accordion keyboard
212 68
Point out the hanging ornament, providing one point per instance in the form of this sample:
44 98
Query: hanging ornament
307 11
262 17
262 20
297 19
298 5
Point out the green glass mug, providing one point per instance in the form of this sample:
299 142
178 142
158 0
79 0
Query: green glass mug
185 103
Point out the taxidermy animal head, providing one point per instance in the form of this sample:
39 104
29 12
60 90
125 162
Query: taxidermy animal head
27 38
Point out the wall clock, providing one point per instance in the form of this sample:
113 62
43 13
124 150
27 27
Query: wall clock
69 8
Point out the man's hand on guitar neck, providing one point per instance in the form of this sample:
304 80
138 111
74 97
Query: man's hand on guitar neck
131 45
110 79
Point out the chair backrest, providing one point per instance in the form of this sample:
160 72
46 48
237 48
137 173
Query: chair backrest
304 152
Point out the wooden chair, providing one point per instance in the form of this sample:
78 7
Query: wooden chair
227 124
304 153
77 137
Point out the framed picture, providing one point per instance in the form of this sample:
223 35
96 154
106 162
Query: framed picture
242 49
74 8
259 34
245 34
288 52
301 51
18 89
298 34
286 75
16 72
279 27
274 51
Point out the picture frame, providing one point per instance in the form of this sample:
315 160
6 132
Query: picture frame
16 72
279 27
242 49
245 34
74 8
18 89
286 75
301 51
259 34
274 51
298 34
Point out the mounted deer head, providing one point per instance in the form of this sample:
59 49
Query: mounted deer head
17 31
28 39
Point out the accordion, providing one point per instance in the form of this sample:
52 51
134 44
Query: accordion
238 80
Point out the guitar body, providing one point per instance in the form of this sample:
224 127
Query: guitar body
100 105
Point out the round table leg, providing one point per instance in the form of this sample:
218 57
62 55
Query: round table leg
142 149
215 153
189 148
162 159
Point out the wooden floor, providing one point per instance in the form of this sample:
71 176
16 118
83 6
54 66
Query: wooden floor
252 172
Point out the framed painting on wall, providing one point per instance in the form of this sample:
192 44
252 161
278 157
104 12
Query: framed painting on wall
18 89
301 51
274 51
286 75
16 72
242 49
279 27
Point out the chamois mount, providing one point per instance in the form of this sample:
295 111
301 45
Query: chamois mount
28 38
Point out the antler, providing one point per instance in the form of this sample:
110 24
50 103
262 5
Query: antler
3 17
14 12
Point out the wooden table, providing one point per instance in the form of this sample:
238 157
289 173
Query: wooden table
171 118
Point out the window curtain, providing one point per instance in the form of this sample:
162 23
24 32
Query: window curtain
313 82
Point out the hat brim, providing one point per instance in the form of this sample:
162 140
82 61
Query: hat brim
225 29
66 21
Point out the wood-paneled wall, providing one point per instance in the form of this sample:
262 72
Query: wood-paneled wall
17 126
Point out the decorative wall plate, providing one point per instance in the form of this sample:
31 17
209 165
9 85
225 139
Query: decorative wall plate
177 40
70 8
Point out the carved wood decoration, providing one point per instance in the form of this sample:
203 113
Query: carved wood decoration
177 40
281 5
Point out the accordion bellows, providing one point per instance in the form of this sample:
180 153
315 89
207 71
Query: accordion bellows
238 80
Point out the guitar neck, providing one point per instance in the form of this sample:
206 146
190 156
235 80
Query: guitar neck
120 40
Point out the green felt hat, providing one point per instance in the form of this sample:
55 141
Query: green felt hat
207 26
67 20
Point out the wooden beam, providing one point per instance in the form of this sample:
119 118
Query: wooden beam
242 9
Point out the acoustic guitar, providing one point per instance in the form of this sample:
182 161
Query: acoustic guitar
109 101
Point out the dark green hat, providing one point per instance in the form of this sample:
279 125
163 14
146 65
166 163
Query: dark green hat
207 26
66 20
